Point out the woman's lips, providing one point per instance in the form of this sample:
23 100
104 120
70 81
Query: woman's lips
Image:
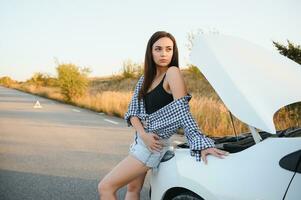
163 60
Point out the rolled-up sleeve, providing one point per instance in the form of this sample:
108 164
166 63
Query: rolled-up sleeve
133 107
197 141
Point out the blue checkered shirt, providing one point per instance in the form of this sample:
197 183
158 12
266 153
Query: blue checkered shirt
167 120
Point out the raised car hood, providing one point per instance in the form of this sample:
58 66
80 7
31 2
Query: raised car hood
252 81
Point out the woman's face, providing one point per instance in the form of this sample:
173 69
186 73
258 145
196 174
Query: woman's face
162 52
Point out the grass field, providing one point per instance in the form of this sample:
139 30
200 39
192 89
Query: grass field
112 95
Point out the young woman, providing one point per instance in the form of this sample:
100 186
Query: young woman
161 84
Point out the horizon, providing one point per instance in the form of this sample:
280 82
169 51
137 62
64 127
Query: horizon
102 35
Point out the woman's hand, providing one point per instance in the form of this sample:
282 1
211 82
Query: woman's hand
214 151
151 140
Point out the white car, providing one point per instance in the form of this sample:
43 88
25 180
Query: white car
262 165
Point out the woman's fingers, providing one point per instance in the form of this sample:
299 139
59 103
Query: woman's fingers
155 145
203 156
155 149
216 152
158 146
221 152
156 136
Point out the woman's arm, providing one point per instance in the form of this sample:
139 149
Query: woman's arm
133 107
136 123
150 139
176 82
200 145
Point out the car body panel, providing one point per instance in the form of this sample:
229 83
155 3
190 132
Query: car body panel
254 171
252 82
295 186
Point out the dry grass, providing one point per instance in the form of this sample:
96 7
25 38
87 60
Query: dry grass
213 117
110 102
208 110
284 119
49 92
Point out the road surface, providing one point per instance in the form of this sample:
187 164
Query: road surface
57 151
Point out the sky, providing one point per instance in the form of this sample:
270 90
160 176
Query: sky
101 35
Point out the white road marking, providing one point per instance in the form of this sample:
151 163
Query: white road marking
111 121
101 113
75 110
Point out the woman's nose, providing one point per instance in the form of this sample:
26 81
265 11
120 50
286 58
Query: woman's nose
163 53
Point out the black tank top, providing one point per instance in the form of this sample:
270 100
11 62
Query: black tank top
157 98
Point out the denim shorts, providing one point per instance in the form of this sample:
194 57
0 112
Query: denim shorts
140 151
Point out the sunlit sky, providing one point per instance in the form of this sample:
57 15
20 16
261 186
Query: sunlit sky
102 34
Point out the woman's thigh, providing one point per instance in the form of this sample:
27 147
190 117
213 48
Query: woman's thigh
126 171
137 183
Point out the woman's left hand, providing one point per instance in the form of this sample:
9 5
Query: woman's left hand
214 151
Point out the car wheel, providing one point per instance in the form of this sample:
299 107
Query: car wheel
187 196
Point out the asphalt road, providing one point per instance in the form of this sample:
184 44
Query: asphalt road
58 151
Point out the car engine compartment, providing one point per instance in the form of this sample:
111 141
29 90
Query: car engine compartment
234 144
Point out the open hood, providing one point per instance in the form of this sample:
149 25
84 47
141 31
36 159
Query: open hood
252 82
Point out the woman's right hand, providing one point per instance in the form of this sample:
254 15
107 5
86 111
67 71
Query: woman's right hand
152 141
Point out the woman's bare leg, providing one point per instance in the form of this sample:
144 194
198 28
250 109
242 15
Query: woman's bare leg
123 173
134 188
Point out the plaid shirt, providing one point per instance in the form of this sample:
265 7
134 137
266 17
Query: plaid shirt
166 121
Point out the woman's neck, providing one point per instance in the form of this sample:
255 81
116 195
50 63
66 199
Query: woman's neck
160 71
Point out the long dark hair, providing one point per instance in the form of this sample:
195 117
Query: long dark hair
149 64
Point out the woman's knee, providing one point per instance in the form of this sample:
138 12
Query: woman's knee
105 186
134 188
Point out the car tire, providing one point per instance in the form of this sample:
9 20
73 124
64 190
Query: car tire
187 196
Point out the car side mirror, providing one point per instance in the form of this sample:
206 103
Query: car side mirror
167 156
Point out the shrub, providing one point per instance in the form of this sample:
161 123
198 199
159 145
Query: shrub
72 80
131 69
40 79
6 81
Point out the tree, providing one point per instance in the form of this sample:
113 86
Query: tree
40 79
191 37
72 80
195 71
6 81
193 34
291 51
131 69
